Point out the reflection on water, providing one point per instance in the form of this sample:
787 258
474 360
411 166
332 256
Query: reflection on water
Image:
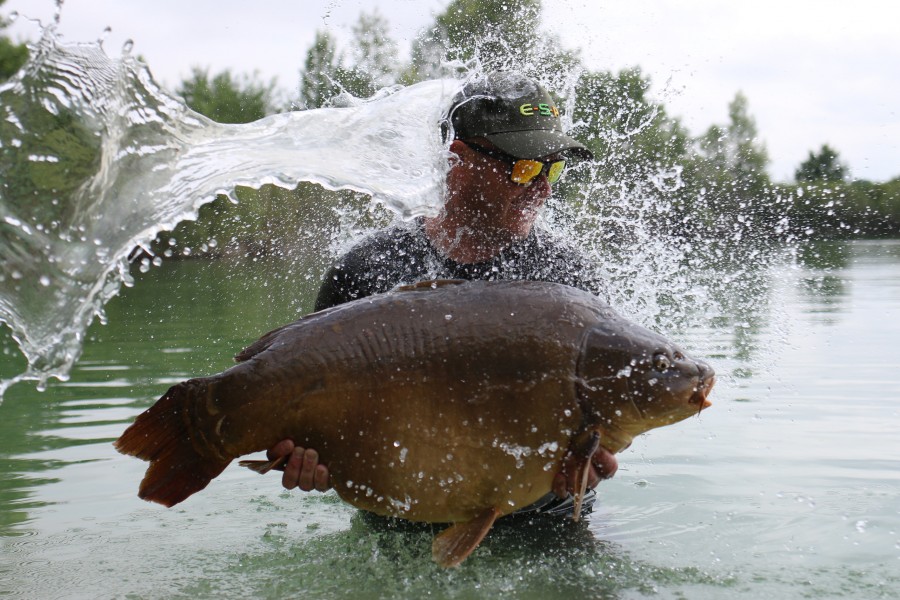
786 488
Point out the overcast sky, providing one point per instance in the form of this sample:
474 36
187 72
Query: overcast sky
814 71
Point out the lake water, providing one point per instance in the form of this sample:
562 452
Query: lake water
788 487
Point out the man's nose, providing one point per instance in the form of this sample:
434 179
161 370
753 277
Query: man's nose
541 185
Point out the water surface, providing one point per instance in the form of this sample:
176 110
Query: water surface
788 487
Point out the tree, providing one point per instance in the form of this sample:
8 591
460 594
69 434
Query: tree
823 166
499 34
375 58
373 63
627 131
322 72
727 189
638 152
734 159
12 56
227 99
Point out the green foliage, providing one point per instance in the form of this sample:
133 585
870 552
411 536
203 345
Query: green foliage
271 221
838 209
732 159
320 79
727 190
225 98
373 65
714 184
375 56
628 132
12 56
824 166
499 34
638 148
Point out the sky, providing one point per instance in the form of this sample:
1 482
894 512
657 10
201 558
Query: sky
814 71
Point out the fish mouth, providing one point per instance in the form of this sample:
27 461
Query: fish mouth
699 397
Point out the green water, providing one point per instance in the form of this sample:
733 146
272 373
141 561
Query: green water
788 487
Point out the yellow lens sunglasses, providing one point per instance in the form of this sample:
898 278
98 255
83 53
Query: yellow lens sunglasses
523 170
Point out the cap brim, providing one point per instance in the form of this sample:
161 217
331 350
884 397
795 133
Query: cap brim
535 143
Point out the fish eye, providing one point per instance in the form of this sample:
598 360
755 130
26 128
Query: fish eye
661 362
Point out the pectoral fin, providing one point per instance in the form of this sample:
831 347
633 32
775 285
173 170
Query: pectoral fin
456 543
583 470
264 466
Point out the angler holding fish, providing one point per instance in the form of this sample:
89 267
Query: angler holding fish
510 148
444 400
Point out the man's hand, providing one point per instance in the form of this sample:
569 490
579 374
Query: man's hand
603 466
302 469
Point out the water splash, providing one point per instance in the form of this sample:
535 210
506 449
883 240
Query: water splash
95 159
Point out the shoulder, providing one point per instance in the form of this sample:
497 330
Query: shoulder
372 265
549 245
382 244
557 259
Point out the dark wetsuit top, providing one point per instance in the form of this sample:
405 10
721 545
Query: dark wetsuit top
402 254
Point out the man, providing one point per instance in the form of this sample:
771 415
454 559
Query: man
510 148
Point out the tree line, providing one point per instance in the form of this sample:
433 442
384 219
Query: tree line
715 183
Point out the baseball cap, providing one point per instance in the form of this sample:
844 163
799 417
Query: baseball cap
514 113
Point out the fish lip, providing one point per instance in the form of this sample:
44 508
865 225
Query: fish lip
702 391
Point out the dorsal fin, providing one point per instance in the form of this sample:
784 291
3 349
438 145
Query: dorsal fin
431 284
456 543
267 338
259 345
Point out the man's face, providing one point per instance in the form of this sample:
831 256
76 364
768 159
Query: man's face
484 198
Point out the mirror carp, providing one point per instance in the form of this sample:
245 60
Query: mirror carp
445 402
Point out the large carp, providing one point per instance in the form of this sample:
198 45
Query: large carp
447 402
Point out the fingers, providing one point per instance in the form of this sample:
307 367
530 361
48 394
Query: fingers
310 461
304 471
560 485
604 464
321 480
282 448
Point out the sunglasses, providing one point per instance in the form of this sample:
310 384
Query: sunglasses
523 170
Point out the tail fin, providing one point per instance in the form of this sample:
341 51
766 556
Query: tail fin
163 435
